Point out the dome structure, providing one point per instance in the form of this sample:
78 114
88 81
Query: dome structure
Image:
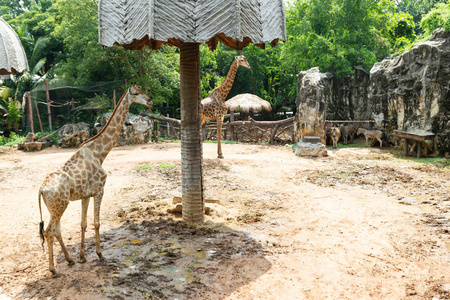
13 59
134 24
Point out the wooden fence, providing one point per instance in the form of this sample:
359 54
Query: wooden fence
252 131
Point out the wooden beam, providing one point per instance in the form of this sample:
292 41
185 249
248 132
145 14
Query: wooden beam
39 116
30 112
413 136
49 112
161 118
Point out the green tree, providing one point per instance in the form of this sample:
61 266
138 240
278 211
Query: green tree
13 111
86 61
336 35
438 17
417 9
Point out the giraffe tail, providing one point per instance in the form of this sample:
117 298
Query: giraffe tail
41 224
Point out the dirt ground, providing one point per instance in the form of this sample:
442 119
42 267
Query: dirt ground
358 224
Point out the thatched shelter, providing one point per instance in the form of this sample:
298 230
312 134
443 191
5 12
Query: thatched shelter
134 24
186 24
13 58
248 103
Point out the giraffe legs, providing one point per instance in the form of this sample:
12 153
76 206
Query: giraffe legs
63 247
84 209
54 230
97 204
219 135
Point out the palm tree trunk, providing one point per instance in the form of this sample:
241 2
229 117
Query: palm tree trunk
191 143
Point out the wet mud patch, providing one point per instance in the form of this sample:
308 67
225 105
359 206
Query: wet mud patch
157 259
166 259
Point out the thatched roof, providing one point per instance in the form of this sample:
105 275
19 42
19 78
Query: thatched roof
136 23
12 56
248 102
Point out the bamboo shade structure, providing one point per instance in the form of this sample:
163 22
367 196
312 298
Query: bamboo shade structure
248 102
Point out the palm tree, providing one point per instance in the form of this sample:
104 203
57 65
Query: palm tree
187 24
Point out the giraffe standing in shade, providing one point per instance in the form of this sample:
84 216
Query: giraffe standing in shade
214 107
82 177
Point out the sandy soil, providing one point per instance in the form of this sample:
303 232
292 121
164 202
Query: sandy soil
358 224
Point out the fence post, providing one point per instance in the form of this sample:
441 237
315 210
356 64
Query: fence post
49 112
30 113
39 115
231 126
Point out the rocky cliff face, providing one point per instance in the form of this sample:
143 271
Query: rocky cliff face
412 90
349 101
135 130
409 92
314 91
73 135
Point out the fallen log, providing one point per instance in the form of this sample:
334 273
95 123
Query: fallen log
161 118
263 123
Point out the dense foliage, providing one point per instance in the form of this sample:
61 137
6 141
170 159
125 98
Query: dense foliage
61 41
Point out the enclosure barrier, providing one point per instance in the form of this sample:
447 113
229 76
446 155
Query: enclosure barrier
243 131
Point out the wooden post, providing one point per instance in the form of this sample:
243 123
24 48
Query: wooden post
73 111
49 112
30 113
406 147
419 149
231 126
114 98
39 116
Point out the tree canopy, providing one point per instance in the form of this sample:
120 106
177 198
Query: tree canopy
60 38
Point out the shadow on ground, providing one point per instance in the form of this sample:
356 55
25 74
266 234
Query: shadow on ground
158 259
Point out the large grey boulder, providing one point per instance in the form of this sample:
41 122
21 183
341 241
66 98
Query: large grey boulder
136 129
73 135
31 143
310 149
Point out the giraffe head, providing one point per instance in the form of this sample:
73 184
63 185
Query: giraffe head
242 61
139 96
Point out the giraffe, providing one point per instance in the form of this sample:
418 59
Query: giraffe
82 177
214 107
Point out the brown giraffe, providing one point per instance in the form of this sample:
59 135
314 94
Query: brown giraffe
214 107
82 177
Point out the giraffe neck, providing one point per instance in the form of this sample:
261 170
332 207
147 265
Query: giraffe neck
104 141
221 92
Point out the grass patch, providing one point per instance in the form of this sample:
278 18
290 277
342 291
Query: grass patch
163 166
14 139
342 146
440 162
45 133
162 139
144 167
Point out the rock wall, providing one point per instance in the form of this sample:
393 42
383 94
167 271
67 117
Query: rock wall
409 92
412 90
135 130
350 95
73 135
314 91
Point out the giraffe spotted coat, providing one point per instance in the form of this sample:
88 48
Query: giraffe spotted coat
214 107
83 177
